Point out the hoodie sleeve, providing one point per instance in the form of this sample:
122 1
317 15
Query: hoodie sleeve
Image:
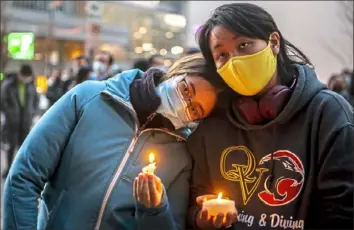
200 181
336 166
37 160
171 213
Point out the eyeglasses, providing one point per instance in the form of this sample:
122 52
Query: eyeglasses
193 110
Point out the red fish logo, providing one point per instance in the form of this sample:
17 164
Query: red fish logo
289 185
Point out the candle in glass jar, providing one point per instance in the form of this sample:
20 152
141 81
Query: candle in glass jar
150 168
215 206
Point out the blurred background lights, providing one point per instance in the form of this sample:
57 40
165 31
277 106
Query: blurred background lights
175 20
177 50
169 35
147 46
163 52
142 30
138 50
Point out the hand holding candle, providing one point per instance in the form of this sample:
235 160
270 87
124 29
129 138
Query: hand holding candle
219 205
216 212
150 169
148 188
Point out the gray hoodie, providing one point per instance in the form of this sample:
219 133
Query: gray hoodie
307 150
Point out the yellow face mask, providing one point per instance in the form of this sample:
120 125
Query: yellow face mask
248 75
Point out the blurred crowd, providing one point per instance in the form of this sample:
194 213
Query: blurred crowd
20 99
81 69
343 84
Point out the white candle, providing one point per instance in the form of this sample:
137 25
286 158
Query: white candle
215 206
150 169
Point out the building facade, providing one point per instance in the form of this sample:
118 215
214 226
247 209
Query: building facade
66 29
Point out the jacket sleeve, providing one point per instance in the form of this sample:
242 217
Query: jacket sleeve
336 166
171 213
200 181
35 163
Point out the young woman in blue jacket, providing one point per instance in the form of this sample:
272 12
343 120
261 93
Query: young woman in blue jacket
77 167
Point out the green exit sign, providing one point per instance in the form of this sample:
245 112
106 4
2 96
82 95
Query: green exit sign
20 46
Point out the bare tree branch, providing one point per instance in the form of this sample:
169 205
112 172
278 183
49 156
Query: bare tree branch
345 14
338 54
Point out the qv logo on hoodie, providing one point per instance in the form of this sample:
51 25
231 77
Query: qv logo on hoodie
282 191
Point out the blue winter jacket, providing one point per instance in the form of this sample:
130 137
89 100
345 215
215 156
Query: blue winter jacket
75 169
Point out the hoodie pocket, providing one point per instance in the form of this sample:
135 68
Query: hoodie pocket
53 212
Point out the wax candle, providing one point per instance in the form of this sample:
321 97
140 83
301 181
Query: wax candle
150 168
215 206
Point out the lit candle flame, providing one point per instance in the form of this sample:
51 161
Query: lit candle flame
219 196
151 157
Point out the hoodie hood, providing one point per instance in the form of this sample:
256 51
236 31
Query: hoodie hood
119 85
307 86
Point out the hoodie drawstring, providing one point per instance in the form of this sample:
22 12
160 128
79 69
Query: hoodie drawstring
272 169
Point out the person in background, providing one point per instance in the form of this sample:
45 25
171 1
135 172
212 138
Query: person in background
83 75
351 89
104 66
55 87
283 149
347 73
156 61
85 156
67 78
338 84
79 62
5 137
19 103
141 64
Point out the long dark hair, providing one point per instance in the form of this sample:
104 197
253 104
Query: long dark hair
252 21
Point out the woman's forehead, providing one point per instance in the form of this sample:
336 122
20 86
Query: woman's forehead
222 33
198 82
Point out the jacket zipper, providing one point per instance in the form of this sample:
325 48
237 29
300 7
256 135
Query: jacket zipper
126 156
122 164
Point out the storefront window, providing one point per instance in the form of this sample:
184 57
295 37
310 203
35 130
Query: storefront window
73 49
